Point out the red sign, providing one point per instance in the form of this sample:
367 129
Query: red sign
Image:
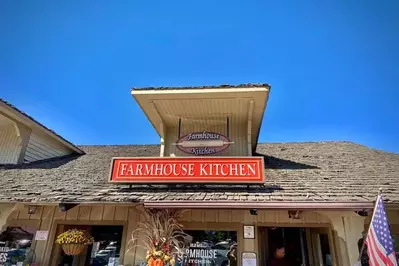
240 170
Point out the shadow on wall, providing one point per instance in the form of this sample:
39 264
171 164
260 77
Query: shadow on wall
272 162
43 164
203 188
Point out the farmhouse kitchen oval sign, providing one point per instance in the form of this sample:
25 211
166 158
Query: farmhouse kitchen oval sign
203 143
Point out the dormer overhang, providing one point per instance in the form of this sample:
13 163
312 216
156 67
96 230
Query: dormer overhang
167 107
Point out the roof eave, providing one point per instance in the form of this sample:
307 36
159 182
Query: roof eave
254 145
192 92
188 91
223 86
260 205
25 119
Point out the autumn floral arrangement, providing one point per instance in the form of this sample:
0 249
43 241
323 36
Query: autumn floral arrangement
74 241
161 235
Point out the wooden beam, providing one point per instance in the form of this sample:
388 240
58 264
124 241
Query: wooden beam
249 131
5 212
163 132
162 129
23 133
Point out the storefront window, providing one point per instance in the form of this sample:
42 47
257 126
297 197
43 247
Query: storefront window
105 251
396 241
15 246
211 248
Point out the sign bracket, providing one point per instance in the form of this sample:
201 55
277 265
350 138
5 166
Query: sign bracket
179 129
228 127
162 129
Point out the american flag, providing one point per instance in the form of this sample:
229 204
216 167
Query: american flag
380 246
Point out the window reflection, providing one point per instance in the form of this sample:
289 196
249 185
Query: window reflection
210 248
15 244
105 251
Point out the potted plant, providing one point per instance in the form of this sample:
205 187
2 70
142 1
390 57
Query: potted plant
161 235
74 241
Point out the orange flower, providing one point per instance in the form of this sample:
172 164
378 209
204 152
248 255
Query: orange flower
150 262
158 262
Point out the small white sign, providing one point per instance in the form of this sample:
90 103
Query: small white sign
249 231
41 235
248 259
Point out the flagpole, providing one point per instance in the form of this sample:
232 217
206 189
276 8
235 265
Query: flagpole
368 231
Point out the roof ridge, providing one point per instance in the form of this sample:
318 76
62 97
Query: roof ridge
310 141
331 142
116 145
156 144
83 146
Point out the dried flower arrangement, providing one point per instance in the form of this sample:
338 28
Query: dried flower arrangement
73 241
161 235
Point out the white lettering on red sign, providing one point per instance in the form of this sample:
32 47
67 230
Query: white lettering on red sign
205 169
191 169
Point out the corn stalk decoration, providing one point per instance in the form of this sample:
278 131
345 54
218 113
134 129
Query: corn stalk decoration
161 235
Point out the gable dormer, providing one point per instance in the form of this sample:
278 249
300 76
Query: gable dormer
211 120
24 140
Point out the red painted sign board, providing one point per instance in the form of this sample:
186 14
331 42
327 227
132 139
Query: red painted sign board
163 170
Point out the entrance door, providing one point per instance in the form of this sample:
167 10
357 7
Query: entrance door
302 246
321 244
292 241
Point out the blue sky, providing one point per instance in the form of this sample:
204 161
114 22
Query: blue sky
333 65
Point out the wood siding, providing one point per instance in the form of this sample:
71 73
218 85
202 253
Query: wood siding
9 145
165 108
49 218
264 217
40 148
237 135
237 131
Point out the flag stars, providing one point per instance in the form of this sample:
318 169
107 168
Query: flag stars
383 238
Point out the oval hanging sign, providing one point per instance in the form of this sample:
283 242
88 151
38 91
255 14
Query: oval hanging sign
203 143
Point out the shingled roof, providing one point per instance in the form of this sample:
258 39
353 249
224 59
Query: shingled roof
222 86
311 171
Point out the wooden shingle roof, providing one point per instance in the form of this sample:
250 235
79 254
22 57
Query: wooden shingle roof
309 171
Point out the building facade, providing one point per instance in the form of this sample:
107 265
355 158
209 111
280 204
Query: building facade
314 199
